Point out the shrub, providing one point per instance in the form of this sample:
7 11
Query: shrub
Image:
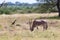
4 11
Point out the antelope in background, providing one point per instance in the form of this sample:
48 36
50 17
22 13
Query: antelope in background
38 22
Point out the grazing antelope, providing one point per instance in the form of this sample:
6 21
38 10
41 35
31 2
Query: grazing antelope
37 22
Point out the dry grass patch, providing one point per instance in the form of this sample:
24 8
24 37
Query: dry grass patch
22 32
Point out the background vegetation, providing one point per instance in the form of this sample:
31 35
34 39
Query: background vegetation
12 8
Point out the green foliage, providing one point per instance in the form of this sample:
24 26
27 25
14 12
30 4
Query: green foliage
55 17
4 11
41 8
48 6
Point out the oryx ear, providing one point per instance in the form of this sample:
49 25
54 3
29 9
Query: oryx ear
13 22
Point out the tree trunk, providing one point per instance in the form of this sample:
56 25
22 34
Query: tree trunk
58 7
59 12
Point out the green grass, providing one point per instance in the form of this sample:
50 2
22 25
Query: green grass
54 17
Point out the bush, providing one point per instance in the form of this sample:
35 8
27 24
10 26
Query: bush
4 11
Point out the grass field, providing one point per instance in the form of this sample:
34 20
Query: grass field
22 32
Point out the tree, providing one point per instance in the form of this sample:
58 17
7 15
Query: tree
3 4
52 3
58 6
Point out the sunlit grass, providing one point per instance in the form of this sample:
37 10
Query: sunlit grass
25 34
